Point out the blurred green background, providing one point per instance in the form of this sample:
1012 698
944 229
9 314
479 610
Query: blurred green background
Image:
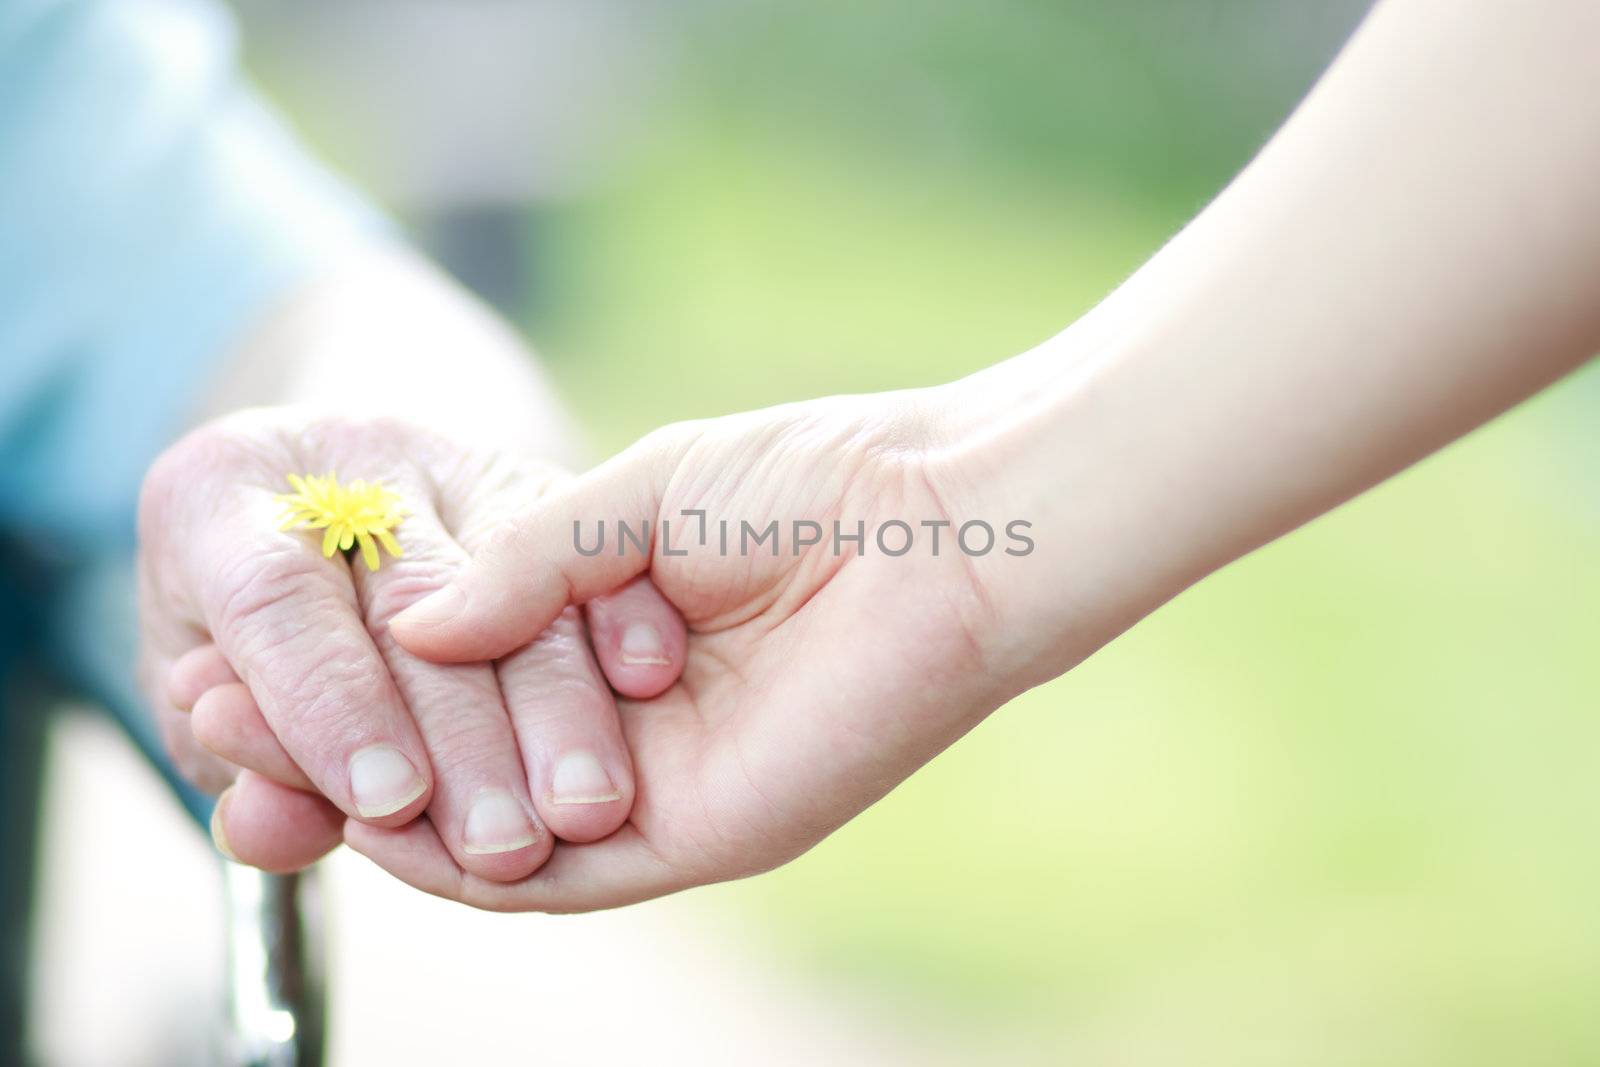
1337 804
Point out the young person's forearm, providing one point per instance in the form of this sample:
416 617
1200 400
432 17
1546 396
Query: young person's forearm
386 333
1415 252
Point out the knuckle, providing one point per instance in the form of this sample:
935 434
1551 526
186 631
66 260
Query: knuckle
221 444
170 480
328 684
553 681
541 698
308 663
467 744
565 701
196 472
402 583
250 587
482 491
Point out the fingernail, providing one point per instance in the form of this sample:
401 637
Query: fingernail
219 836
641 644
580 779
383 781
497 823
437 607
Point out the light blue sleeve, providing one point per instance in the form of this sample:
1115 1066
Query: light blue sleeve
150 208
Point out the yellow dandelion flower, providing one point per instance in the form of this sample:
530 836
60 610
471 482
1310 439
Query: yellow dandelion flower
361 513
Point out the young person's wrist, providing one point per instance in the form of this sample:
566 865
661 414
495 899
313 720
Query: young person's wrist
1057 438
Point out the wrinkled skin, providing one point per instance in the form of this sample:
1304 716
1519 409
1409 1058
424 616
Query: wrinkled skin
260 653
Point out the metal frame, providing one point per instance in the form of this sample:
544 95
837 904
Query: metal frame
272 1010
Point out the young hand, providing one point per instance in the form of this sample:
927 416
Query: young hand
817 676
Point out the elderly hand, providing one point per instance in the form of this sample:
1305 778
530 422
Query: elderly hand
283 661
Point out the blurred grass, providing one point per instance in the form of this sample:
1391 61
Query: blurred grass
1335 805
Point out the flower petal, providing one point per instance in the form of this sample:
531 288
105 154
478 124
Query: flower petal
369 551
386 539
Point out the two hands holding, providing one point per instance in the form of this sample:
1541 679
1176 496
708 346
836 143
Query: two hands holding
499 718
504 719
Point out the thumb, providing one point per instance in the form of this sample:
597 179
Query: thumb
530 569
